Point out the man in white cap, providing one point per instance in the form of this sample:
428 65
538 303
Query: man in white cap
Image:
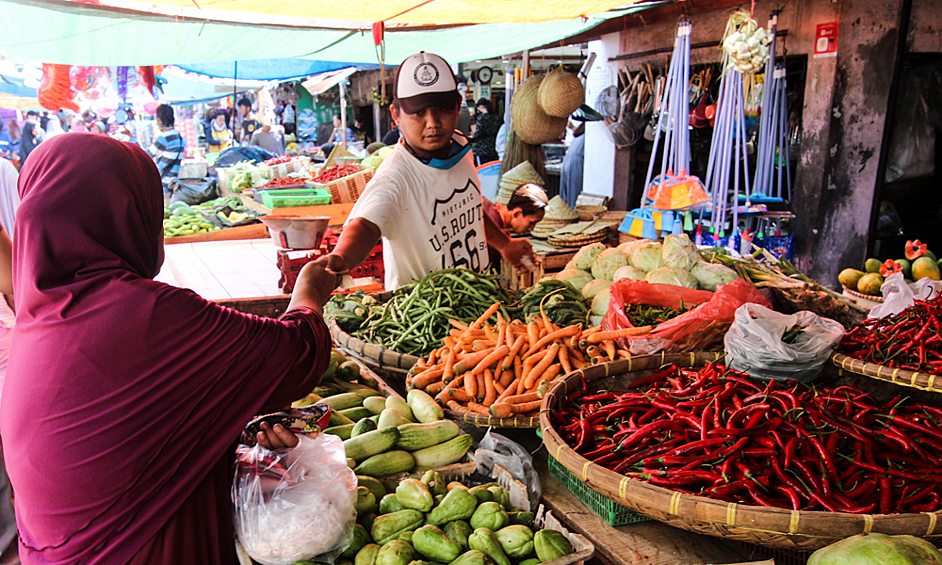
425 199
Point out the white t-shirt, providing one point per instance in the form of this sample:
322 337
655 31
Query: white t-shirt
430 218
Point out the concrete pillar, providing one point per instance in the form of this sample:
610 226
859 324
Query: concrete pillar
837 179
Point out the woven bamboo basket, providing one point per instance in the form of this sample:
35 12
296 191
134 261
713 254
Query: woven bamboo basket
772 527
869 297
486 421
531 124
588 212
377 357
922 381
561 93
578 240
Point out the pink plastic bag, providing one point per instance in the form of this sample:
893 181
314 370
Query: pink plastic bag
699 328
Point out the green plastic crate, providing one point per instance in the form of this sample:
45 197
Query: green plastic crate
613 513
292 198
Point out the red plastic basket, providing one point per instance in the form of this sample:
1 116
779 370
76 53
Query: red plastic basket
291 266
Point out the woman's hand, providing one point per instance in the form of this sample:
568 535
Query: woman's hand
315 283
278 437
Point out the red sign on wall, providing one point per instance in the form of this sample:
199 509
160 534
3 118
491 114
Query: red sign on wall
825 40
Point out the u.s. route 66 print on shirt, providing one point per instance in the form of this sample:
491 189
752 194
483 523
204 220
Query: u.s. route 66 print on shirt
458 219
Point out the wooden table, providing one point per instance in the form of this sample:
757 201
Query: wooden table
550 259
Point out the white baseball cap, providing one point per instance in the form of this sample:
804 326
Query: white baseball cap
425 80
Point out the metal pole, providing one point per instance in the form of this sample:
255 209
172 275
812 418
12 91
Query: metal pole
343 115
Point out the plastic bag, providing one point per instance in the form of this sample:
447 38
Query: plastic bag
192 191
497 449
696 329
754 343
294 504
898 296
912 142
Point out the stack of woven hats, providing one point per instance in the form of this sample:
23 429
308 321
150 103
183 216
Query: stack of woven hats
522 174
558 215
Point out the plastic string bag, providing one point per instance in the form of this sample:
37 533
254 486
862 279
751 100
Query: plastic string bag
697 329
754 343
898 296
499 450
294 504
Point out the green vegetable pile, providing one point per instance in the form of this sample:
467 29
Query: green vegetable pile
415 319
563 304
641 315
428 522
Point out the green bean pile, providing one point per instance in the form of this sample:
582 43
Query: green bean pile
415 319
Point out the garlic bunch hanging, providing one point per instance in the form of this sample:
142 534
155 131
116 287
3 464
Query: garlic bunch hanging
746 43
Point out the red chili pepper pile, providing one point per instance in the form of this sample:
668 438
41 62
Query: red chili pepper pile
910 340
335 172
717 433
277 160
282 181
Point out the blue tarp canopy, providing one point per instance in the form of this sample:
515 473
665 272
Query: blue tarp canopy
268 69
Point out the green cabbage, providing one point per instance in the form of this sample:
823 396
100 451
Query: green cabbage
607 263
647 256
600 302
586 256
679 252
575 278
878 549
712 275
628 272
670 275
595 321
595 287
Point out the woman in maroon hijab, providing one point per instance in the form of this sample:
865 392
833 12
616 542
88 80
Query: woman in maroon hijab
124 396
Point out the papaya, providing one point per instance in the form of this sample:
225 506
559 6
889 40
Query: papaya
872 265
925 267
870 284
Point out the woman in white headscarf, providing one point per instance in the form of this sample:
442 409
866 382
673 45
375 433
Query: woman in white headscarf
53 127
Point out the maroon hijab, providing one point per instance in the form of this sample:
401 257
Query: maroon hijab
122 393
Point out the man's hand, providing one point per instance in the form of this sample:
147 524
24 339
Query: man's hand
315 283
514 252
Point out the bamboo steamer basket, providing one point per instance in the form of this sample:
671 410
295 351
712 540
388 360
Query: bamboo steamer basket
383 360
530 122
561 93
771 527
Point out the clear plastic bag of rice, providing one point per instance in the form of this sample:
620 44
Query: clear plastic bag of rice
294 504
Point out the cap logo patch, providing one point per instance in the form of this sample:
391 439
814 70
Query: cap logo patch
426 75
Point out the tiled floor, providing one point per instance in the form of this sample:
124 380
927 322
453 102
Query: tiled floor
223 269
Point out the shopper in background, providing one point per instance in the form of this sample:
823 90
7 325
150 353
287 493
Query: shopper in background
487 125
218 138
570 181
269 137
337 136
99 127
392 136
425 201
33 135
289 118
53 126
464 118
123 400
167 150
500 144
249 122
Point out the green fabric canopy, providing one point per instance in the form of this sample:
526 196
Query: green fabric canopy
83 34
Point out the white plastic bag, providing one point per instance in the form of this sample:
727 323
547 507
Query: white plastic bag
497 449
898 296
294 504
754 343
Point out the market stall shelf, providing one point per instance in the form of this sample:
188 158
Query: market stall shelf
767 526
251 231
922 381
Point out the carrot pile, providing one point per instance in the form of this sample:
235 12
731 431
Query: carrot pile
505 369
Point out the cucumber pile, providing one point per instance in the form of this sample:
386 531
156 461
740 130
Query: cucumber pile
429 522
183 219
385 435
